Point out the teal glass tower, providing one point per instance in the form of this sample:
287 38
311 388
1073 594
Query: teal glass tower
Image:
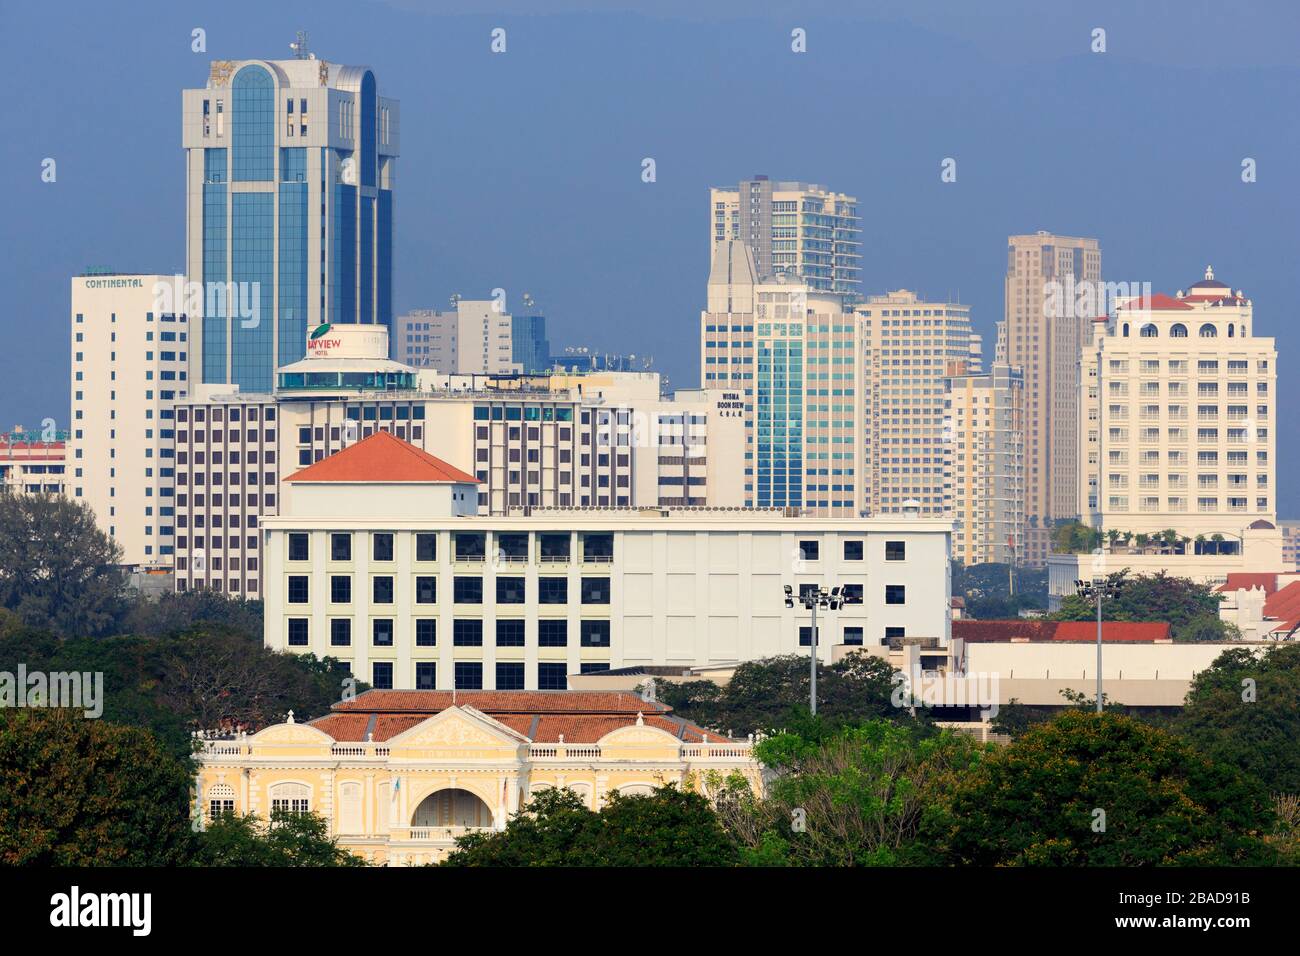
290 170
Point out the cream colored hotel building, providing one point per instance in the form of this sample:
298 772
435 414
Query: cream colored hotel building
379 558
1179 432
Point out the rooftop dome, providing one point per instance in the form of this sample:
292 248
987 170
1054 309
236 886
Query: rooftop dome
1209 282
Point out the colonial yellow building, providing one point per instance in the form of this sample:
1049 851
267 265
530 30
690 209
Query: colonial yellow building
398 775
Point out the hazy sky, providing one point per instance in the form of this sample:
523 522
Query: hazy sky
522 170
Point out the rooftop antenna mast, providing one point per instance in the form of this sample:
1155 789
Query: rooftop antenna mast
299 46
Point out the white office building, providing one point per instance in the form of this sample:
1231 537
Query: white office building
129 367
379 558
475 337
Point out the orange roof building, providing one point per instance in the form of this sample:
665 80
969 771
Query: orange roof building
399 775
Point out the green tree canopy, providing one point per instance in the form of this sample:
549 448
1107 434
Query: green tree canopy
78 792
987 589
1191 609
851 798
669 827
57 569
1245 710
287 839
200 680
1039 800
772 694
174 613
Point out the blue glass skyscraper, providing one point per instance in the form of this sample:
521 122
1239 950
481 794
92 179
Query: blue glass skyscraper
290 168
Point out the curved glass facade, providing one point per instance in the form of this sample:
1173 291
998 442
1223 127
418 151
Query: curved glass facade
215 275
253 125
284 243
292 247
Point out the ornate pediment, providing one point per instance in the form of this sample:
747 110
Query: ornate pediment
636 735
291 733
457 729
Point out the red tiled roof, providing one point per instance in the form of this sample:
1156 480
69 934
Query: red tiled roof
1140 632
1245 581
381 457
1155 303
541 716
978 632
1284 607
1019 629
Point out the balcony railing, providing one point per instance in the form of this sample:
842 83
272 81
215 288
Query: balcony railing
435 834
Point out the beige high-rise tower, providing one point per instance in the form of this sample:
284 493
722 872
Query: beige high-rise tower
1052 283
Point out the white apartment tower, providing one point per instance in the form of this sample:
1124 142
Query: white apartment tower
1181 422
129 365
796 229
986 439
476 337
908 346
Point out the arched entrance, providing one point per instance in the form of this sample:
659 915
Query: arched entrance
452 808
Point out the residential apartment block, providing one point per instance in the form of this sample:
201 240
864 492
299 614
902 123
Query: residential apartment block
985 430
380 559
129 366
1049 303
800 230
844 405
907 347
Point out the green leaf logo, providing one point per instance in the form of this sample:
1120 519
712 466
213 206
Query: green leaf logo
320 330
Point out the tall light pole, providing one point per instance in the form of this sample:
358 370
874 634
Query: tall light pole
812 598
1098 588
